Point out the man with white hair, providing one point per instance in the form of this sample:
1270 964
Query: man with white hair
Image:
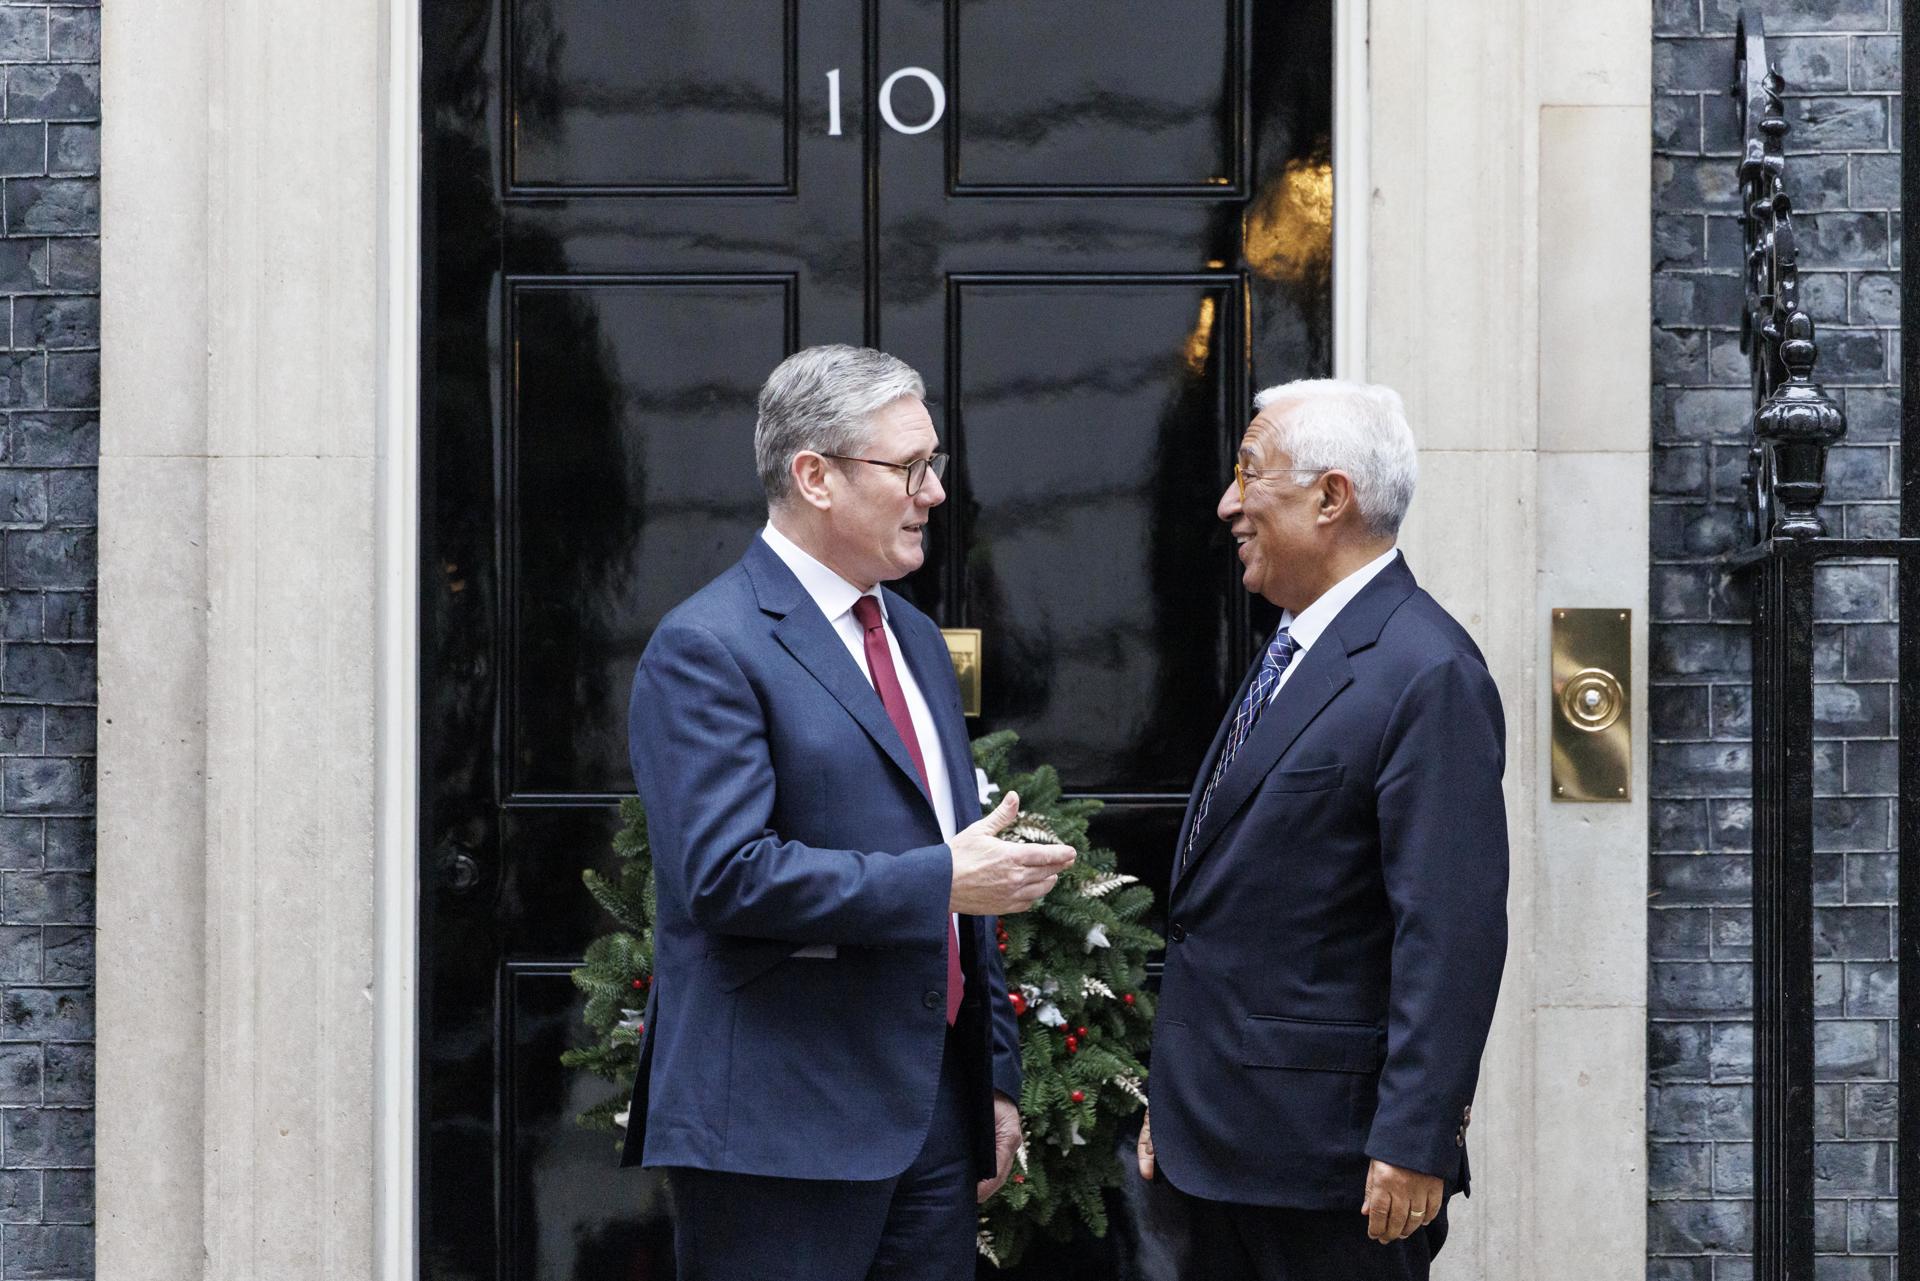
1337 919
829 1065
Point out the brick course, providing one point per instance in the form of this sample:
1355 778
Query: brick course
1841 59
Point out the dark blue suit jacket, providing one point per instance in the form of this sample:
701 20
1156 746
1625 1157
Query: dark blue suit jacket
1336 935
798 1013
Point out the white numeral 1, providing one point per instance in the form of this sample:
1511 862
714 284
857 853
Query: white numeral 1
833 103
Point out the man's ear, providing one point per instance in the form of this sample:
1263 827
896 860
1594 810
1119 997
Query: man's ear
810 484
1336 497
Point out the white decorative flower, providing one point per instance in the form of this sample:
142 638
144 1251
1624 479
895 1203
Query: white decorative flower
1050 1014
1091 986
1131 1084
1097 937
1073 1135
1106 885
620 1117
988 788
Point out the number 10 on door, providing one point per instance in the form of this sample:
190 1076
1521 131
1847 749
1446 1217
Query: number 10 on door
887 113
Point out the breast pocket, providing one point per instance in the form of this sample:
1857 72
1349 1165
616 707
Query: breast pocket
1319 778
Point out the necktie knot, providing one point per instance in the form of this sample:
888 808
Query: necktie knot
866 612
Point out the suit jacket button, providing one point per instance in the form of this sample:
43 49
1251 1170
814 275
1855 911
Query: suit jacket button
1178 933
1459 1140
932 1000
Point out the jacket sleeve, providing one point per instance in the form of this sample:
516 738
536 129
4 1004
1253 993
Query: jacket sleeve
1443 850
1006 1027
698 738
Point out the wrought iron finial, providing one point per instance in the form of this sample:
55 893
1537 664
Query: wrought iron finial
1795 421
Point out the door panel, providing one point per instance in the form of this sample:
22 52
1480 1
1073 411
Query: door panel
607 95
1118 228
1087 471
630 452
1082 95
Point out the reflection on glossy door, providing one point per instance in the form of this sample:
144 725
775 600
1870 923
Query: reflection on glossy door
1119 228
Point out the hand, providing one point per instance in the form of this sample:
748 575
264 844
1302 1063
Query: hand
1400 1202
1006 1141
992 877
1143 1149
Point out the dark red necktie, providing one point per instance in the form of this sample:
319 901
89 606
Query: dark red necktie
886 681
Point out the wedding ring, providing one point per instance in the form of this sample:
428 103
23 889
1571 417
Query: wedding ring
1416 1214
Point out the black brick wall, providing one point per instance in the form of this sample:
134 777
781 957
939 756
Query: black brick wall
1841 59
49 444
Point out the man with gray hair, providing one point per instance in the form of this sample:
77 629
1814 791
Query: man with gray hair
829 1064
1337 919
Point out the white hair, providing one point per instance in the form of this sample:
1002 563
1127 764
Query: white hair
823 399
1358 428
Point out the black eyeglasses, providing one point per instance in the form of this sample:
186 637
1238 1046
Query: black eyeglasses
916 470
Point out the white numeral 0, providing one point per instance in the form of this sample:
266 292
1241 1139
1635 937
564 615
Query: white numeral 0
887 113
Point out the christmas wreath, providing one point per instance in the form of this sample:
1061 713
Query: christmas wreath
1075 968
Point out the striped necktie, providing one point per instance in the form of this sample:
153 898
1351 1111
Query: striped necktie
1259 693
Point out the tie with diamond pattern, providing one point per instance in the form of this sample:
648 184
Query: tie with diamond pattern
1259 693
886 682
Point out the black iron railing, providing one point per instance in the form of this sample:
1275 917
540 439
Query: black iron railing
1793 425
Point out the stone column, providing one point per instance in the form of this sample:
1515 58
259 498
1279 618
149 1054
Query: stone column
1509 301
237 670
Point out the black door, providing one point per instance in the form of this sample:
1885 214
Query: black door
1095 227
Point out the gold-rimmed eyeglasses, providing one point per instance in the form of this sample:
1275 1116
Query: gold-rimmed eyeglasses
916 470
1241 475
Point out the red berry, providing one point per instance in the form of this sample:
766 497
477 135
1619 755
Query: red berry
1128 998
1073 1045
1003 947
639 983
1018 1002
1079 1096
1019 1178
1082 1031
640 1029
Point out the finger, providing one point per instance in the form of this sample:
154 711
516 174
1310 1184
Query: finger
1431 1204
1377 1204
1397 1216
1005 814
1143 1153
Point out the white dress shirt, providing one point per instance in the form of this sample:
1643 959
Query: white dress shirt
1317 617
835 597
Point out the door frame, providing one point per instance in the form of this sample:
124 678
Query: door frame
397 534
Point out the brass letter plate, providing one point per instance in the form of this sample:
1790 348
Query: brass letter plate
963 646
1592 711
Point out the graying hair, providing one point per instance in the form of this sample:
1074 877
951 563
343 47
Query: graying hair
823 399
1358 428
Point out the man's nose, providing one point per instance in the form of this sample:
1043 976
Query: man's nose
932 493
1229 505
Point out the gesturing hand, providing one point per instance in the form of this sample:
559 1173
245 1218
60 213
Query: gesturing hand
1006 1141
1143 1147
992 877
1399 1202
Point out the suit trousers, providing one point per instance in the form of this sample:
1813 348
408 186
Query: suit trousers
1269 1243
919 1226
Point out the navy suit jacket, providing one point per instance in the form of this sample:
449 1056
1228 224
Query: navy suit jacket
798 1014
1337 932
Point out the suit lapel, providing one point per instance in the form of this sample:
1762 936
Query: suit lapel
1323 673
806 634
1206 764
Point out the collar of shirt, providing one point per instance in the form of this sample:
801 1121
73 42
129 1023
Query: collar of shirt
833 594
1317 617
